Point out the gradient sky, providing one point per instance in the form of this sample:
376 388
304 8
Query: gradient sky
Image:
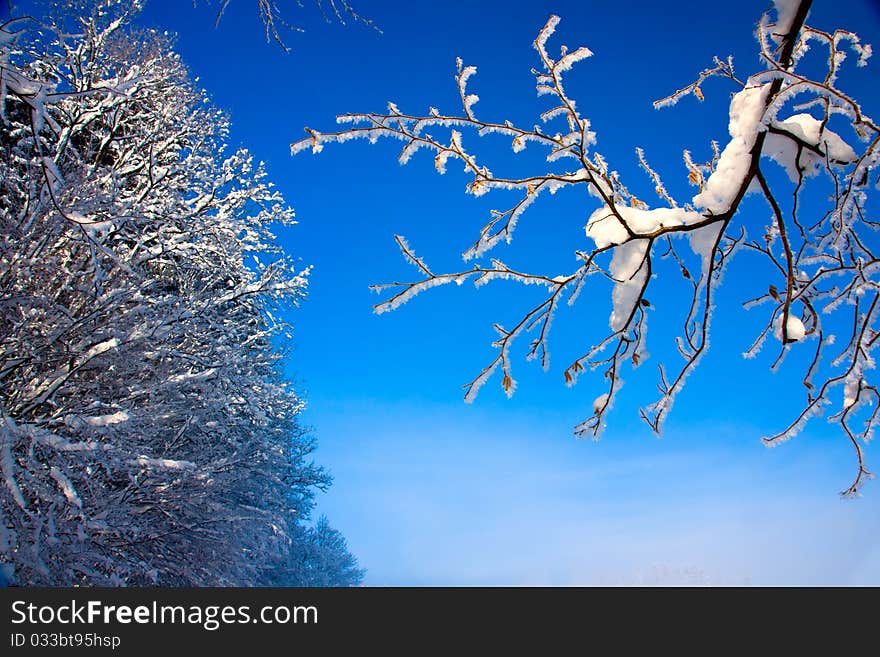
431 491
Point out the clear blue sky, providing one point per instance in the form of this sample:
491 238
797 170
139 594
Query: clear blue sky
431 491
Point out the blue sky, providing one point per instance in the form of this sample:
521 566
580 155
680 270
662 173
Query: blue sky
430 491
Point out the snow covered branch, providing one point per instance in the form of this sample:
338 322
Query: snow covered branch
784 114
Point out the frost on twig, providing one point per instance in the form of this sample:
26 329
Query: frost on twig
822 260
274 20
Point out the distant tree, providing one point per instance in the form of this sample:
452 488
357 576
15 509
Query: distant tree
146 433
789 113
320 557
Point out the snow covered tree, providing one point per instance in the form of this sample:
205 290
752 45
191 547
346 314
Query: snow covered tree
320 557
146 433
791 129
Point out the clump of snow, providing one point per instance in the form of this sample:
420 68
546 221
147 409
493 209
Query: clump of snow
783 149
599 402
193 376
628 269
746 111
104 420
170 464
794 328
854 383
606 229
851 388
702 241
66 486
100 348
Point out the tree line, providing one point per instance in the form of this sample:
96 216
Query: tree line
147 434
